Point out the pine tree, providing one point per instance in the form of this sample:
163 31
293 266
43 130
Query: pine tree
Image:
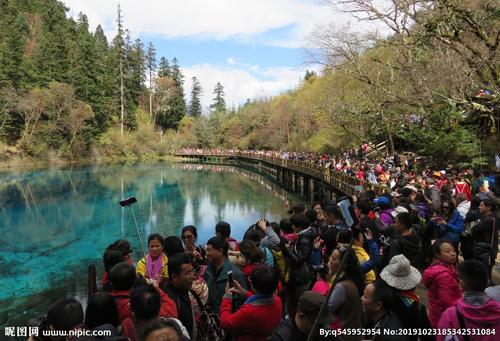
195 106
83 71
178 106
219 104
137 64
151 68
119 44
13 34
164 68
133 64
106 80
51 60
172 105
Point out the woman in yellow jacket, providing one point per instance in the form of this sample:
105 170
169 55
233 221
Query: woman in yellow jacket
367 262
154 267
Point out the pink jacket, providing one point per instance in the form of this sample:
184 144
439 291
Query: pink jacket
443 285
485 316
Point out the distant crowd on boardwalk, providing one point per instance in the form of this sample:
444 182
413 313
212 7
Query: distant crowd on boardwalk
388 171
433 235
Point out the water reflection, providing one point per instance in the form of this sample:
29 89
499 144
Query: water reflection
54 223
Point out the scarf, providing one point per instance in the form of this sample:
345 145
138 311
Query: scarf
258 297
154 266
408 297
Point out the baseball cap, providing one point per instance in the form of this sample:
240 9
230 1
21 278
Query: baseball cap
381 201
398 210
310 304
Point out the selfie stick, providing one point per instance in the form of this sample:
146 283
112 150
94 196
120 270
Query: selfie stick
129 202
315 326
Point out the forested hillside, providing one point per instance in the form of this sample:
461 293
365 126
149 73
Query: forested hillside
429 84
67 92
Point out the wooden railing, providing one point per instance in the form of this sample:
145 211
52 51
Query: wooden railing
343 182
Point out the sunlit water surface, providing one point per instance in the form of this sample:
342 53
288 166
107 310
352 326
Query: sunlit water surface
55 223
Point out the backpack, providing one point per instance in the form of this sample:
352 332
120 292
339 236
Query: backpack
209 328
282 265
268 256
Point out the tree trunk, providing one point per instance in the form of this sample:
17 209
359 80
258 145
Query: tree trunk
122 106
150 99
391 143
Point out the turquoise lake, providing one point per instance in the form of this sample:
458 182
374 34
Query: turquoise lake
54 223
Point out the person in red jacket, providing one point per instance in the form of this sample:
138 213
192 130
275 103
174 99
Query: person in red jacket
441 281
463 187
123 277
476 310
261 312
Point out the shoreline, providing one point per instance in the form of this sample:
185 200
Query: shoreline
26 164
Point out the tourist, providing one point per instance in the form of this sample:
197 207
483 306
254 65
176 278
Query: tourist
450 225
123 278
441 280
266 239
110 258
344 301
433 193
101 310
189 236
298 255
124 247
462 187
335 224
384 216
298 326
172 245
145 304
287 231
403 279
182 274
223 229
261 311
485 235
475 311
154 267
406 241
253 256
377 302
298 208
366 262
164 330
463 204
65 315
216 273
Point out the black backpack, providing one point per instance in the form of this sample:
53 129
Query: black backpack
209 328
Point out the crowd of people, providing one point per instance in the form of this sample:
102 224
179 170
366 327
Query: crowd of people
433 234
272 284
367 166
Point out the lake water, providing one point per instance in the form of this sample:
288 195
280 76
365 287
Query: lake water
55 223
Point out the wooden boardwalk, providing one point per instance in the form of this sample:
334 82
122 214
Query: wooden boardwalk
303 177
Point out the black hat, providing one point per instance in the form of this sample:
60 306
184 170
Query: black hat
310 304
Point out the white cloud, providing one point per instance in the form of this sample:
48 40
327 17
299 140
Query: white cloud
212 19
241 83
231 61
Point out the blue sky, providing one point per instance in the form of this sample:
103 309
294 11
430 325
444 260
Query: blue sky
254 48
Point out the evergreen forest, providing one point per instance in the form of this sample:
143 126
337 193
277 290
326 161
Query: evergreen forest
427 83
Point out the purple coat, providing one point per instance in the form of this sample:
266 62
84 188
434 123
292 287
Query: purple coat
386 217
